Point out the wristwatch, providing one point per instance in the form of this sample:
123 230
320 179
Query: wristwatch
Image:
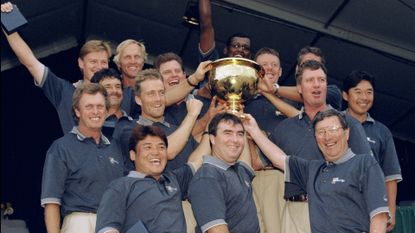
276 87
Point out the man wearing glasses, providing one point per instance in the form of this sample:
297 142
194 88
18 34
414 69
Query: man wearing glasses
295 136
346 189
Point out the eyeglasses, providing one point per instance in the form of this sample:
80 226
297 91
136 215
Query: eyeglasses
244 46
330 130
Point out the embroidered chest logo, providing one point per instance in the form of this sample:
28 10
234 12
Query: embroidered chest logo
171 189
337 179
370 140
113 161
247 184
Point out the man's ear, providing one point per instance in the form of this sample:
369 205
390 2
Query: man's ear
298 86
212 139
225 51
77 113
345 96
81 64
132 155
138 100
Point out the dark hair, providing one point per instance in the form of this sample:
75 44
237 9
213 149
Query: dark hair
309 49
238 34
91 89
105 73
329 113
355 77
266 50
140 132
308 65
166 57
223 117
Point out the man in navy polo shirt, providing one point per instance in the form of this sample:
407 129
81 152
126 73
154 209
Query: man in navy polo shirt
345 190
80 165
149 195
150 95
358 91
295 137
221 192
112 82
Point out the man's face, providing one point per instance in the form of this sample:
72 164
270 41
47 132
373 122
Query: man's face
114 89
360 98
271 65
313 88
239 47
152 99
331 138
131 61
91 112
150 156
228 143
93 62
172 73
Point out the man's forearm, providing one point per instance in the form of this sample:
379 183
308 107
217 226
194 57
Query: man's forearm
378 223
52 218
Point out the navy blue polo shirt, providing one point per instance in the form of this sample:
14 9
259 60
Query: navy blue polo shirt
137 197
124 129
60 91
343 195
381 142
175 113
222 194
295 136
77 171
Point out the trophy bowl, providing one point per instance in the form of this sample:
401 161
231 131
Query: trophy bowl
234 80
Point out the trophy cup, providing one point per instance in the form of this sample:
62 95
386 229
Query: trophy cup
234 80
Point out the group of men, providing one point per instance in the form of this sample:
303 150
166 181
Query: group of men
138 147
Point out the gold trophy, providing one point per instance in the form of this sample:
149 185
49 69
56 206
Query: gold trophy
234 80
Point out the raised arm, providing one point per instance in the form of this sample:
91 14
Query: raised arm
196 157
180 91
202 123
23 51
178 139
273 152
284 107
207 33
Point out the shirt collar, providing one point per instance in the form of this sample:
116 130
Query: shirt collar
147 122
302 111
81 137
216 162
346 157
136 174
368 118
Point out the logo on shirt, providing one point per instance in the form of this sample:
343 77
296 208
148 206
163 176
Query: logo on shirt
171 189
113 161
385 198
247 184
370 140
336 179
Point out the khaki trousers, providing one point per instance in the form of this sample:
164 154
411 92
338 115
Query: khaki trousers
78 222
296 218
268 189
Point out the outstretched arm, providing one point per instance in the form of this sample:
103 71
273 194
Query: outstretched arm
23 51
273 152
207 33
180 91
284 107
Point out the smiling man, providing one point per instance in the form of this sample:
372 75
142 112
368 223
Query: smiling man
345 190
149 197
295 137
129 57
359 92
80 165
221 192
